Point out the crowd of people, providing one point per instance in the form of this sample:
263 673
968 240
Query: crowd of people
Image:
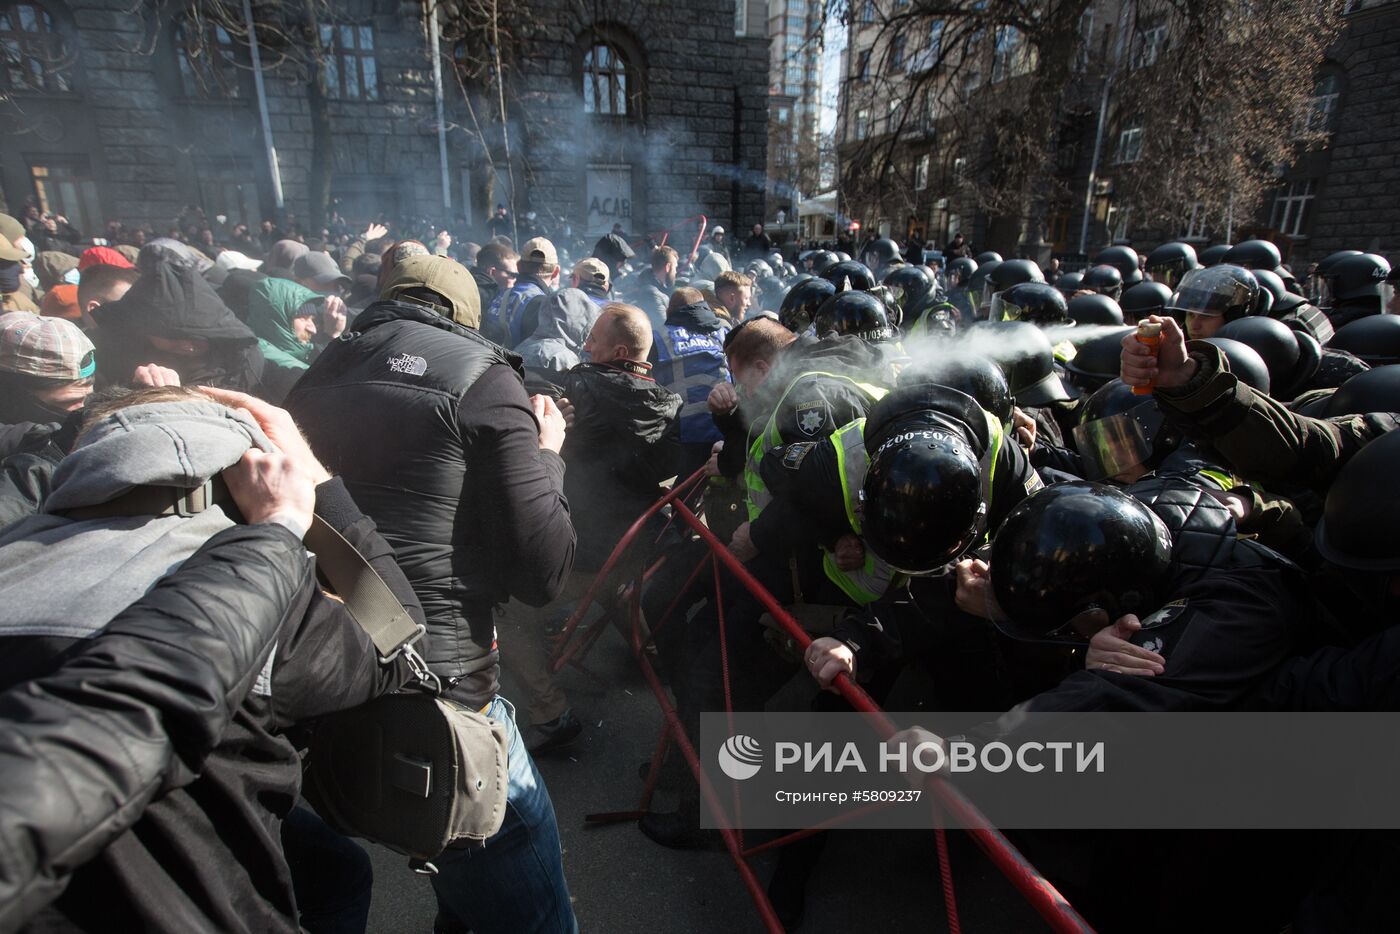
1163 483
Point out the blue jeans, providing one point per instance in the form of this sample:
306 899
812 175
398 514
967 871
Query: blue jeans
515 883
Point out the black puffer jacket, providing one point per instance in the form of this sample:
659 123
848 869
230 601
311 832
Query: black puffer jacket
430 426
624 442
130 716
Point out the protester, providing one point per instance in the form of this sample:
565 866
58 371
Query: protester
46 368
470 451
495 271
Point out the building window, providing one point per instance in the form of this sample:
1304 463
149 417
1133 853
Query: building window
1009 55
1196 223
741 17
1086 38
1292 208
971 81
1149 45
784 115
1130 141
32 50
605 88
897 54
921 173
352 73
867 11
862 123
862 65
68 189
935 40
208 58
1321 108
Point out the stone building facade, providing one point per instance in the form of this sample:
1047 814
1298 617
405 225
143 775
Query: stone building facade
623 113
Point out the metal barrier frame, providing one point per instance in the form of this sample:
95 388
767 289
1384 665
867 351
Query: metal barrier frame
1052 907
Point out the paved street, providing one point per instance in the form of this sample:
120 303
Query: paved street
622 882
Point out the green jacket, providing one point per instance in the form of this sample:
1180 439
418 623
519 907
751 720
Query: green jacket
272 304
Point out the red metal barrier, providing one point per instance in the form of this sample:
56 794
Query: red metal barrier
704 222
1034 887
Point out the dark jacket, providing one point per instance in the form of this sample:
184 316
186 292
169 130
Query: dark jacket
486 287
171 672
176 302
622 445
429 424
1256 435
209 856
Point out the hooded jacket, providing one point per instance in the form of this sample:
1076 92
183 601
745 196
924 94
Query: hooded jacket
565 318
689 361
430 426
622 445
176 302
208 855
648 294
272 305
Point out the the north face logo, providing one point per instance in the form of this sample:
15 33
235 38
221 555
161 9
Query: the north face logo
408 364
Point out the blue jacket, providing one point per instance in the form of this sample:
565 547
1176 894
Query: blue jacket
689 362
504 322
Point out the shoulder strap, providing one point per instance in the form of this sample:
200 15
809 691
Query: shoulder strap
366 596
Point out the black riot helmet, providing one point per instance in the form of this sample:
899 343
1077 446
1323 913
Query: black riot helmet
1375 390
881 253
1004 275
1097 360
1170 261
1212 255
923 501
971 374
910 288
991 256
1075 547
1035 302
1374 338
1026 357
1279 346
1360 279
976 283
1244 361
857 313
1106 280
1227 291
1069 283
1253 254
1271 284
799 309
1362 510
1095 309
1125 260
849 275
1119 430
1143 299
757 269
770 293
842 256
820 261
960 270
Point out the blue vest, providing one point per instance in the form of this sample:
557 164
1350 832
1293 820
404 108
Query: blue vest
504 320
690 363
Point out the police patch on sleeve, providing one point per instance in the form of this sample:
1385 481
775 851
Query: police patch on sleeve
811 417
795 454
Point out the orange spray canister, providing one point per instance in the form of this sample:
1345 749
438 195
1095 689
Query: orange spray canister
1150 334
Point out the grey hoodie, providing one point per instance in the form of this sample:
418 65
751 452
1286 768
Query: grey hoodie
69 578
565 318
